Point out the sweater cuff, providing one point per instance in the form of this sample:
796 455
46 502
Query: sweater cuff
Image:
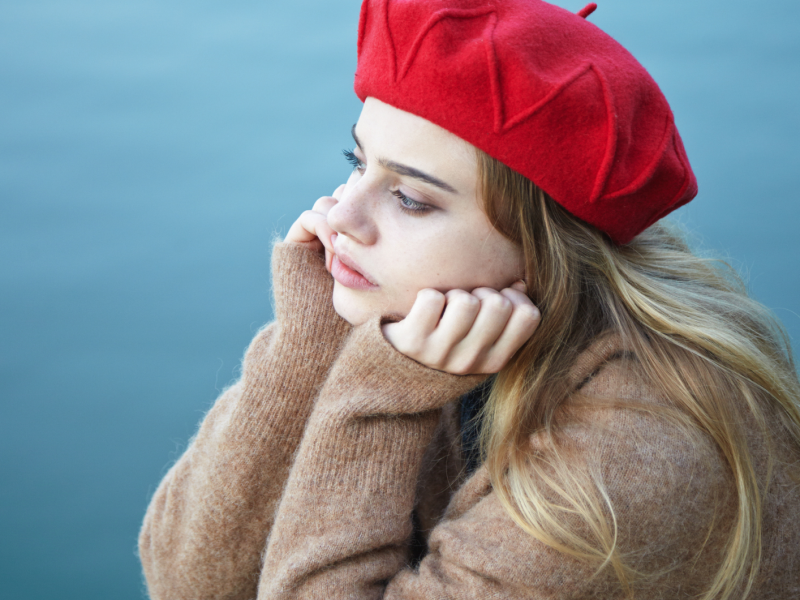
288 361
371 377
302 286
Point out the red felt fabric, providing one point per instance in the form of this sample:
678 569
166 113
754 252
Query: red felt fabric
542 90
587 10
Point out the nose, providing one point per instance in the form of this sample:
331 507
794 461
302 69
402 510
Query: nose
352 216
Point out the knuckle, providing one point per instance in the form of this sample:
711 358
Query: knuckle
528 313
462 298
497 302
516 297
429 295
321 203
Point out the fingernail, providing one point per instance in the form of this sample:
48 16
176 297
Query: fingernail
520 285
333 238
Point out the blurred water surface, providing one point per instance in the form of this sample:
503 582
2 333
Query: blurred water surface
149 151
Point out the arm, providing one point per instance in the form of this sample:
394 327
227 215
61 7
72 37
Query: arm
207 524
345 518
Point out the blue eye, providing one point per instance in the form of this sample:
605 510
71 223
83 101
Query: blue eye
353 159
409 205
406 204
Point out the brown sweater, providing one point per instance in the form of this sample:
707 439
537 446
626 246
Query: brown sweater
306 476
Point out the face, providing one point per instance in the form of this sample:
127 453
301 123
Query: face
410 218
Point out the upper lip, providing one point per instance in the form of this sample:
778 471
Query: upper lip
351 264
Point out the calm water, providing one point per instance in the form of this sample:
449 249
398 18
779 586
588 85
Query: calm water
149 151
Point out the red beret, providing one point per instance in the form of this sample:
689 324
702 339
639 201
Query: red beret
540 89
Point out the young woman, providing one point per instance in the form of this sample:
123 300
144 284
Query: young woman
491 373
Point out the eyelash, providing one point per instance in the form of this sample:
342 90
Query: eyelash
406 204
410 206
352 159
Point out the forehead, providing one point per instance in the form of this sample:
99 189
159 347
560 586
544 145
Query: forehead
392 134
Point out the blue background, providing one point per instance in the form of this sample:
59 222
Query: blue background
149 151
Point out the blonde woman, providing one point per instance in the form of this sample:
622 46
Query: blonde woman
492 373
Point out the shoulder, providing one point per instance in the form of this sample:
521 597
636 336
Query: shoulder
665 481
664 492
621 423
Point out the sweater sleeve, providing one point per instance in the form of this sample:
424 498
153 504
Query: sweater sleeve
207 524
344 521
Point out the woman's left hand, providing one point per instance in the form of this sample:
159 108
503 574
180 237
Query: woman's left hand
465 333
311 229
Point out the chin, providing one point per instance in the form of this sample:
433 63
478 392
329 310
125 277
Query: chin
349 308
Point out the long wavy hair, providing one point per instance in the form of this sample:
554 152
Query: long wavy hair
698 338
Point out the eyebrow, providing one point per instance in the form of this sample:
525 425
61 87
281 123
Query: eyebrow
401 169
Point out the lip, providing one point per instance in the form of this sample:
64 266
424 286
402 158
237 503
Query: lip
347 272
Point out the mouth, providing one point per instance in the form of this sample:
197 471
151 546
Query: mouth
347 272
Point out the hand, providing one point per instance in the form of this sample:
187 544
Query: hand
311 229
465 333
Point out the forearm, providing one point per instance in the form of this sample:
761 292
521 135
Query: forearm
345 517
206 527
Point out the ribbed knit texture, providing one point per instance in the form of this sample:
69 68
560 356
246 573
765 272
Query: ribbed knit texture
207 525
319 458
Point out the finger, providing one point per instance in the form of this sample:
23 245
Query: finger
459 314
324 204
492 317
318 225
299 231
337 193
520 286
517 297
426 312
311 229
411 335
520 327
329 253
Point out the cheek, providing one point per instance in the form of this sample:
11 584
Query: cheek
470 261
408 259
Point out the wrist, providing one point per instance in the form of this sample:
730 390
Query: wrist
371 377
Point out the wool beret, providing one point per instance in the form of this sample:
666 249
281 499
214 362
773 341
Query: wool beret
540 89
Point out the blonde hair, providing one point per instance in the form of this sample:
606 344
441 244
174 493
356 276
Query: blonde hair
698 339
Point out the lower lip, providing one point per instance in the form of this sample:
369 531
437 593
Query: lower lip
349 278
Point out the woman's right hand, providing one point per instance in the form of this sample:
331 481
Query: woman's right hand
465 333
311 229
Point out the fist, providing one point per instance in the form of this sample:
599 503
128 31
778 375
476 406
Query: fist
465 333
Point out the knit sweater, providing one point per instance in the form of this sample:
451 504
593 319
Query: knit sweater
309 477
